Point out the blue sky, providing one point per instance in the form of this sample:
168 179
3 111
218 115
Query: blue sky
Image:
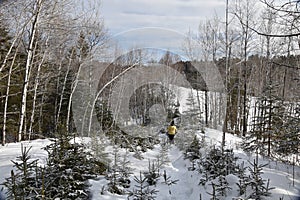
129 20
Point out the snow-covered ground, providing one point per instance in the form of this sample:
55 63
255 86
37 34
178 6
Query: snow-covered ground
11 150
187 187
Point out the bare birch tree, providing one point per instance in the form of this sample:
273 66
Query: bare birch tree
32 36
35 90
6 99
245 13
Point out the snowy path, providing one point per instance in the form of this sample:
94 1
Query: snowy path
187 188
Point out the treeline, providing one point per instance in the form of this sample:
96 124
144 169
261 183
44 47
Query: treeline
246 86
266 94
259 47
44 44
48 44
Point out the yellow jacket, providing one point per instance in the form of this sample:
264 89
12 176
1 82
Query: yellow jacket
172 130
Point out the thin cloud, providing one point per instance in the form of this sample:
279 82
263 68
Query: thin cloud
178 15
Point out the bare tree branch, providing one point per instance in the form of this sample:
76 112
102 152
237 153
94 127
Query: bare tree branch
101 90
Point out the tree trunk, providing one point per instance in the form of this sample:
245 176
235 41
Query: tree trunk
245 82
100 91
40 122
27 68
6 101
36 84
74 86
8 53
206 108
63 91
199 107
225 125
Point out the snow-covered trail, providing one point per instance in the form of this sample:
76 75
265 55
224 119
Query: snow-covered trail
280 174
187 187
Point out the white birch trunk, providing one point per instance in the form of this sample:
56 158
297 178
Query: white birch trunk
74 86
9 51
100 91
27 68
6 101
63 91
57 91
36 84
225 127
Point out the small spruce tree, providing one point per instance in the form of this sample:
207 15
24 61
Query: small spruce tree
142 190
23 183
152 174
217 163
169 181
243 179
119 173
256 182
69 167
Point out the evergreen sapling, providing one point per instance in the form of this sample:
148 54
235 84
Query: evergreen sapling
23 183
142 190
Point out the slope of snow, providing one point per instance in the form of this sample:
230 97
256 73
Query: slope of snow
187 187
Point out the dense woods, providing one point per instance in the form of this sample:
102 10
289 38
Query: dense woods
42 50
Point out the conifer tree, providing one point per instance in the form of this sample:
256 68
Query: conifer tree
217 163
163 158
257 183
98 144
142 190
288 138
192 152
243 179
23 183
169 181
192 116
152 174
69 167
118 173
222 186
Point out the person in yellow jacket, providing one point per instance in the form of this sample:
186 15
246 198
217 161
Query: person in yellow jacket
172 130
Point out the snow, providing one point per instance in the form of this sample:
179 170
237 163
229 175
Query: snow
187 187
11 150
